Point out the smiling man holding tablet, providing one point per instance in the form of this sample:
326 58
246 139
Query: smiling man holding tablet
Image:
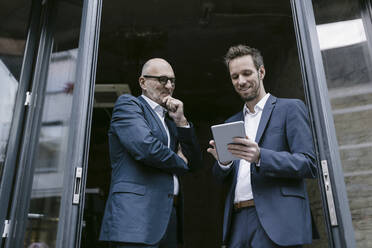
267 205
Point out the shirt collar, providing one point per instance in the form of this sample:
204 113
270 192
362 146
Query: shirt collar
258 107
155 106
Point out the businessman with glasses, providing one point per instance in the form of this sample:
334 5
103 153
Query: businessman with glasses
151 145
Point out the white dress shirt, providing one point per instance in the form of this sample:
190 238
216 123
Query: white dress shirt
160 111
243 189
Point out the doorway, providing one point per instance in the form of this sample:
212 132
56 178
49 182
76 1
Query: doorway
193 36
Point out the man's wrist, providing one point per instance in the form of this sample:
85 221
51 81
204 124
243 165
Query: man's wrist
225 166
182 122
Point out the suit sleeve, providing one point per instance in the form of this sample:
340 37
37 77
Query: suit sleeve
223 175
299 160
133 132
190 147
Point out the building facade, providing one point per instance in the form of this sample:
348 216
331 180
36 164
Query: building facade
63 64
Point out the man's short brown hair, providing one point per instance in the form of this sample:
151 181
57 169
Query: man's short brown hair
243 50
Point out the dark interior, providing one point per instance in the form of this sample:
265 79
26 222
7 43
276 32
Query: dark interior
193 36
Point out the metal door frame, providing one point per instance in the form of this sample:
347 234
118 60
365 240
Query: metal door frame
24 132
339 223
16 129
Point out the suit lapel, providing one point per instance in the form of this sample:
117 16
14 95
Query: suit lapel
163 137
266 113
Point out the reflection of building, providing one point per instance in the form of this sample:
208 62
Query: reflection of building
48 180
8 90
352 112
348 66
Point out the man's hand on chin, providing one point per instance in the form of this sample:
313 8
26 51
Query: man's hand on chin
175 110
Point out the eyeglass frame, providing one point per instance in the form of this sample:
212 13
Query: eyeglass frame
162 78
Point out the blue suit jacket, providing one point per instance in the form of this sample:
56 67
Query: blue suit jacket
139 203
287 157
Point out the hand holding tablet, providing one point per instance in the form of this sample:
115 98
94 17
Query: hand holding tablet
223 135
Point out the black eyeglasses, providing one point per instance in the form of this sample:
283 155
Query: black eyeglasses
163 79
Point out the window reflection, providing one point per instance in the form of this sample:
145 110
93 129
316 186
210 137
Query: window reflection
8 90
11 55
51 161
57 110
341 34
13 32
47 188
344 32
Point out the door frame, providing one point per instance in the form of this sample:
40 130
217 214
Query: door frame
339 223
24 132
70 234
16 129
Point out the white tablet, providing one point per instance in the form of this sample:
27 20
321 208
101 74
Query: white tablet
223 135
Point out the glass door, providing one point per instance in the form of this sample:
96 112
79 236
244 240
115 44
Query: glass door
334 37
345 40
19 36
13 36
47 190
51 162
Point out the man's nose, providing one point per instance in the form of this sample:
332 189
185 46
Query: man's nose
241 79
169 84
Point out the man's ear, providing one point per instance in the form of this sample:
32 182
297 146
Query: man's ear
261 72
141 81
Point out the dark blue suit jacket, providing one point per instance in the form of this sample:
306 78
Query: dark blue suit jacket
287 157
139 203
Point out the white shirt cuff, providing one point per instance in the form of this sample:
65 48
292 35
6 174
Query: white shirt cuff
225 167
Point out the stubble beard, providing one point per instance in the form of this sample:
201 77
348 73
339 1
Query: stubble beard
252 96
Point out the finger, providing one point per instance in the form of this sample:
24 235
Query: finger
172 108
247 152
249 156
169 105
212 143
239 147
242 155
166 99
176 107
210 150
240 140
244 141
213 152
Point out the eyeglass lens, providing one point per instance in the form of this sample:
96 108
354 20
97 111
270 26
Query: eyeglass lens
164 80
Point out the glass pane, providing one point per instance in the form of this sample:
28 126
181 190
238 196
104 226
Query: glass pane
344 30
13 34
50 160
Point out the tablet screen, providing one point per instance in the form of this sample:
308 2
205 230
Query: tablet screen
223 135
